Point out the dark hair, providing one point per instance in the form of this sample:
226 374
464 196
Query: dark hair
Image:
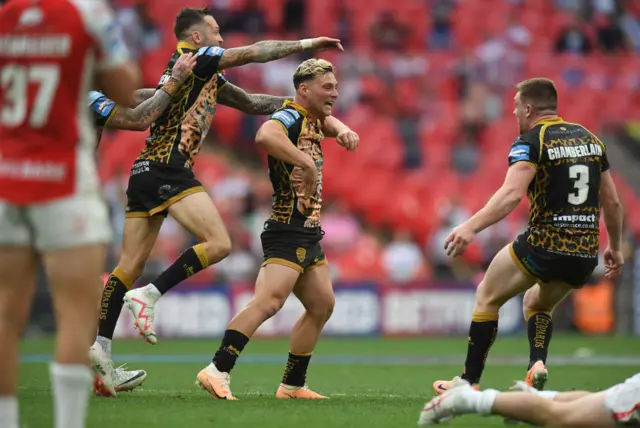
187 18
540 92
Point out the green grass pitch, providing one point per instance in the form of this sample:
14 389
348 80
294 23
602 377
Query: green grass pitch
372 382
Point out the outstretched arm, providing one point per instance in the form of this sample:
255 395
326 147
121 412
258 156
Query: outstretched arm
142 95
235 97
271 50
141 117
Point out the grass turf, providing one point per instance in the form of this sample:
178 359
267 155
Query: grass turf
371 382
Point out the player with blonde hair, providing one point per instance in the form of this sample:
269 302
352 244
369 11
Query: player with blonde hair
293 257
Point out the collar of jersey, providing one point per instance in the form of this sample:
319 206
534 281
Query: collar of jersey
185 45
296 106
554 120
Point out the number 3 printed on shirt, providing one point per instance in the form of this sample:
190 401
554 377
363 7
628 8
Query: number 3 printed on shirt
580 175
15 80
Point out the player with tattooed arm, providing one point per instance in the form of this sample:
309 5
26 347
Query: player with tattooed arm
162 181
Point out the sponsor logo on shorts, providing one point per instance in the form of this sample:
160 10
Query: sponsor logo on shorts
301 254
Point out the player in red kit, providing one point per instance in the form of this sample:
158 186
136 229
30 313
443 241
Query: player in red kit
51 52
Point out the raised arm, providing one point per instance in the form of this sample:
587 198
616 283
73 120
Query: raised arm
271 50
235 97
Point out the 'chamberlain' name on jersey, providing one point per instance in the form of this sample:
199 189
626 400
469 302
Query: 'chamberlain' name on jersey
565 207
289 205
176 136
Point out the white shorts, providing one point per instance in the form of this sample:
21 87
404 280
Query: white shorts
75 221
623 401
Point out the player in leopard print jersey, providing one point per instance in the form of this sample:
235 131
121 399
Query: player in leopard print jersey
564 169
162 181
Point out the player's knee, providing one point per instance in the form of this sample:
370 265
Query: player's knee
218 249
269 305
487 300
322 307
531 303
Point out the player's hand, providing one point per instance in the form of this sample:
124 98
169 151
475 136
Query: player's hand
183 67
349 140
459 239
613 262
304 179
324 43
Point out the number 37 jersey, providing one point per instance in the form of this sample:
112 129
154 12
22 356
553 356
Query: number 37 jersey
50 52
565 206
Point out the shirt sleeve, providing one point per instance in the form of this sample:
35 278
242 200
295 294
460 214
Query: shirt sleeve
287 118
221 80
100 24
525 149
102 108
208 60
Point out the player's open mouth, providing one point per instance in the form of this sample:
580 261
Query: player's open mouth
329 103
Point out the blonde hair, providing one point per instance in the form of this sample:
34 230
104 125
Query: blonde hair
310 69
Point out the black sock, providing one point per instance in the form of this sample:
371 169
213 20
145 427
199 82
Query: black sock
482 334
233 342
539 331
111 304
295 374
189 263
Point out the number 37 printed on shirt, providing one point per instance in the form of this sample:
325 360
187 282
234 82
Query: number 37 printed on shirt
16 81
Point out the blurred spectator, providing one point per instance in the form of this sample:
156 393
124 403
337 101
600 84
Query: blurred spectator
140 32
573 40
440 37
610 35
402 258
294 15
341 228
388 33
252 20
343 24
466 156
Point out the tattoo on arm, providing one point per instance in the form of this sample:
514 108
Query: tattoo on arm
235 97
141 117
265 51
141 95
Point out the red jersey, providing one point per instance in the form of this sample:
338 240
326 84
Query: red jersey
50 51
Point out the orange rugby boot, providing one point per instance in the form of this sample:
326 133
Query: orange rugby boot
215 382
286 392
441 386
537 376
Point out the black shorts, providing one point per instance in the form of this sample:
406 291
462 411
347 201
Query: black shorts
154 187
546 267
294 246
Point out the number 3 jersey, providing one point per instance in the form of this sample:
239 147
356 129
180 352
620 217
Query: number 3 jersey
565 207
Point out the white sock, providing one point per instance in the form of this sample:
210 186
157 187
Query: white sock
547 394
71 388
105 344
485 401
9 412
152 292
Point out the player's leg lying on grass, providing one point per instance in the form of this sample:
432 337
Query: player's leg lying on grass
139 236
579 409
502 281
199 216
315 291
